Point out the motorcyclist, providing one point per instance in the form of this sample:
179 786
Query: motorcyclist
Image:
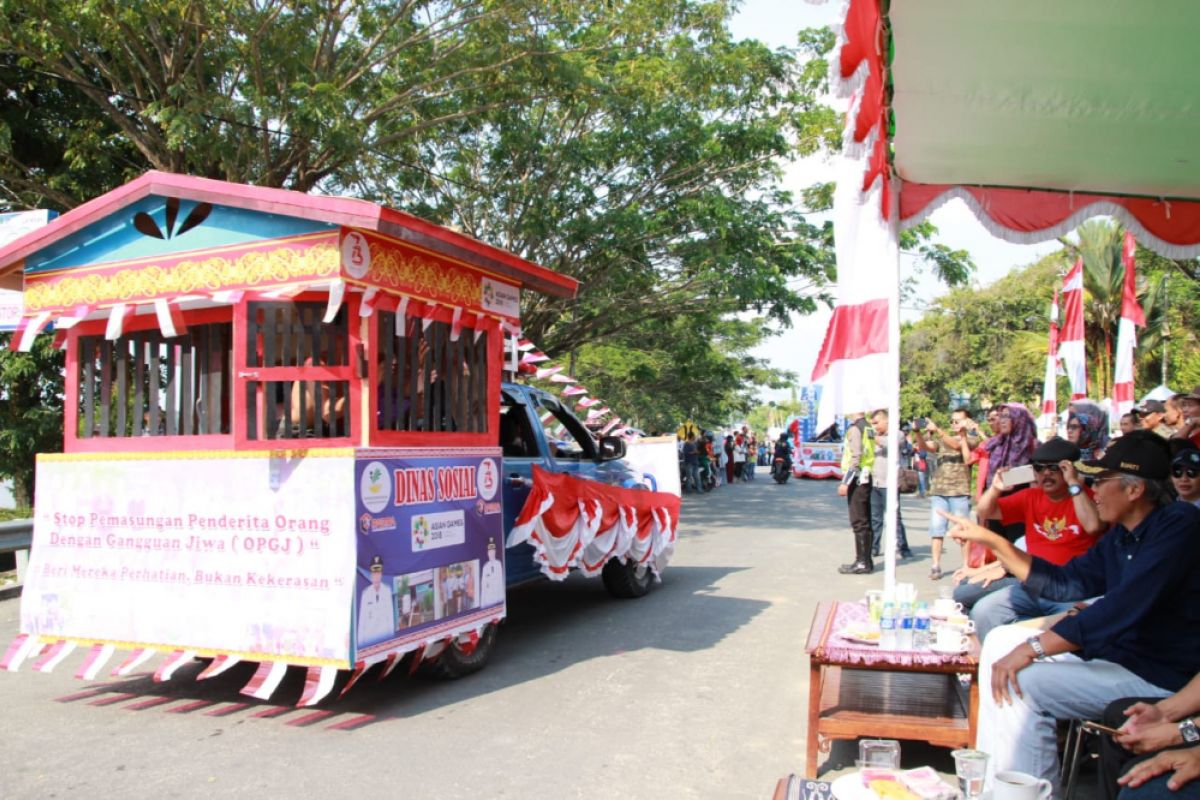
783 449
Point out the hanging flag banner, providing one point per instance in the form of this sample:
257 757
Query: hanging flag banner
1049 418
1132 317
1070 338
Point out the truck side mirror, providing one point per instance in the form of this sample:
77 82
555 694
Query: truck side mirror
611 448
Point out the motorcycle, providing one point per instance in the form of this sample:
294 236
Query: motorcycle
781 469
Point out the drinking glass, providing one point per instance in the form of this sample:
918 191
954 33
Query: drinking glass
971 768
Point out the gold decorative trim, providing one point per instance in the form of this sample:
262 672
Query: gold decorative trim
199 455
212 274
409 272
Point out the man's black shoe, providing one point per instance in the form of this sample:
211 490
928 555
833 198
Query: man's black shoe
906 554
857 568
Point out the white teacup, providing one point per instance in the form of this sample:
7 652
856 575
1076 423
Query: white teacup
1013 785
961 621
945 607
951 639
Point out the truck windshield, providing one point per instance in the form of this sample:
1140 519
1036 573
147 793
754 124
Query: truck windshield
565 434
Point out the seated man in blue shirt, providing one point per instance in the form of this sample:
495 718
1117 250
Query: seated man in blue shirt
1140 639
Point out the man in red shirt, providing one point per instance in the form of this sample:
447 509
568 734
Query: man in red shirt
1061 522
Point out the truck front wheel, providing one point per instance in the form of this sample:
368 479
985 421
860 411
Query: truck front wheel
625 579
454 662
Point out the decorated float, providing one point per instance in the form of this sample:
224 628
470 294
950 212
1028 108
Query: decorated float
282 434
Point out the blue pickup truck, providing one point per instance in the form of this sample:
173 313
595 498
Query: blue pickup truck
536 428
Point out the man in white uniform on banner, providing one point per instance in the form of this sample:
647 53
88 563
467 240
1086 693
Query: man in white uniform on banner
491 580
376 609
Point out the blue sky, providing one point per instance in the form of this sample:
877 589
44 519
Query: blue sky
776 23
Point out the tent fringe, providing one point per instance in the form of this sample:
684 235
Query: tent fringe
1098 208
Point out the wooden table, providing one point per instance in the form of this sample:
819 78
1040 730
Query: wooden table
858 690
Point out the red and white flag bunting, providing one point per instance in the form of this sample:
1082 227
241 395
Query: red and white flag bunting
266 680
21 648
94 661
171 663
116 321
370 300
597 413
170 318
219 664
318 682
854 367
524 345
572 391
548 372
588 402
1070 338
359 668
456 324
614 423
560 378
27 330
427 315
572 522
78 314
402 317
229 296
337 293
133 661
54 656
1132 316
534 358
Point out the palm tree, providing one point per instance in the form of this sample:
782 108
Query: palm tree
1099 245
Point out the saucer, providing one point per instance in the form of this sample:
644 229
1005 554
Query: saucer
949 651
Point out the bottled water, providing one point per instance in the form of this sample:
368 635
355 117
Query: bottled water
887 627
904 628
921 632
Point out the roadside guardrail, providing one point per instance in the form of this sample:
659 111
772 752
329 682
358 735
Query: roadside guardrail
17 536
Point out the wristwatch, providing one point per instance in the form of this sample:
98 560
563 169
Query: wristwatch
1187 729
1035 643
1074 490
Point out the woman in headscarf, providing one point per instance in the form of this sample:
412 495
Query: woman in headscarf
1013 445
1087 427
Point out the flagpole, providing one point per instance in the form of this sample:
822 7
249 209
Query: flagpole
892 505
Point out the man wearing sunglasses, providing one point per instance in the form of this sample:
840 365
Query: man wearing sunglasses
1060 522
1140 639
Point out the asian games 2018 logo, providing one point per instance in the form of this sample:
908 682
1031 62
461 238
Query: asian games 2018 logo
420 533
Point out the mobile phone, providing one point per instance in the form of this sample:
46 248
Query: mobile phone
1019 475
919 423
1096 727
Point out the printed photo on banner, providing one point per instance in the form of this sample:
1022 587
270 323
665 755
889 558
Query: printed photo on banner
457 588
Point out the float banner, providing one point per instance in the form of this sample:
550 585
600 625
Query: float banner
818 460
430 562
656 461
250 554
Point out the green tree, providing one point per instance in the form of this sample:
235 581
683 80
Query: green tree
31 388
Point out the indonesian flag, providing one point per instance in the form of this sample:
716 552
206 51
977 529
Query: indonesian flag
1070 343
1131 316
853 367
1049 418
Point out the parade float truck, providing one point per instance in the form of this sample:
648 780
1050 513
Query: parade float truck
287 441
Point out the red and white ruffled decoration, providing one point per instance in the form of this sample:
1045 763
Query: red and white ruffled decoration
574 522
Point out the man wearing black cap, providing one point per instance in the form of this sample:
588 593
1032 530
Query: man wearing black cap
1140 639
1060 522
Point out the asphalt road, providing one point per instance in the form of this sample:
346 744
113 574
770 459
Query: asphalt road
697 690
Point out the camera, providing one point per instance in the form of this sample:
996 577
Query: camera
919 423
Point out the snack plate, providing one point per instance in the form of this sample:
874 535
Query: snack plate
850 787
859 636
